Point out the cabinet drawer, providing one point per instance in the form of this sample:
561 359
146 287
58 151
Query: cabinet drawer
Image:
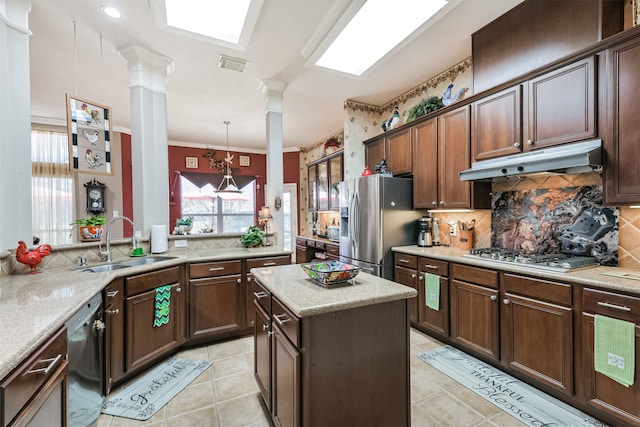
622 307
261 295
333 250
479 276
301 242
212 269
433 266
146 282
319 244
287 321
20 386
268 262
557 293
407 261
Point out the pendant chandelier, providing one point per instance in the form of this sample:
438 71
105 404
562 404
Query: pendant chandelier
227 185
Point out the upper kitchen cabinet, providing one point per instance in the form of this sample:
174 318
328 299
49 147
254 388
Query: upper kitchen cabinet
621 180
324 176
454 155
440 148
395 148
555 108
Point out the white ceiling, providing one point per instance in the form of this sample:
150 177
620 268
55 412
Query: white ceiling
200 96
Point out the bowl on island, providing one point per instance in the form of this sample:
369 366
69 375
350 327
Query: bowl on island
328 273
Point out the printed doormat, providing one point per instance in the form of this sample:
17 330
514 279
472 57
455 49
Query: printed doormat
145 396
520 400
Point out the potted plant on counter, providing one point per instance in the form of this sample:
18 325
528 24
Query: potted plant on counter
252 238
90 228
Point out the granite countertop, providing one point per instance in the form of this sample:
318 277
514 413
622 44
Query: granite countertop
304 298
33 306
595 276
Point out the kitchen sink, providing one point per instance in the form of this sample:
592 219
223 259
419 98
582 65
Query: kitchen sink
126 264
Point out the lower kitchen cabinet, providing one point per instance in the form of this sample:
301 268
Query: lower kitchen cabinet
114 321
329 369
216 298
436 321
602 393
475 310
405 273
537 330
35 393
257 263
146 343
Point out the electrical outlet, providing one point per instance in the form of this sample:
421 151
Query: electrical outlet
179 243
453 229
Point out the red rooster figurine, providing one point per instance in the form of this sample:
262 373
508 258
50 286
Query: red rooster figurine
32 258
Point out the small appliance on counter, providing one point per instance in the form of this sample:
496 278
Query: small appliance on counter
333 233
424 234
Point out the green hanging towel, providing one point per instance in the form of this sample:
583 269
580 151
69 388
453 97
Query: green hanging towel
614 349
432 291
162 301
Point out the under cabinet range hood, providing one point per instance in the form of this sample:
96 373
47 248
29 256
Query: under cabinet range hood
571 158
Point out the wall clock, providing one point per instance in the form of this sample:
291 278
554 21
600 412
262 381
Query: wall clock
95 197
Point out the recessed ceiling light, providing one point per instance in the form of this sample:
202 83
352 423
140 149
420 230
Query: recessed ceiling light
112 12
377 28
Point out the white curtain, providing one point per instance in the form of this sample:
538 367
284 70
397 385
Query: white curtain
51 187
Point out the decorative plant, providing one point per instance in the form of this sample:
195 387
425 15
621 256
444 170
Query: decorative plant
423 107
93 221
252 238
187 222
213 162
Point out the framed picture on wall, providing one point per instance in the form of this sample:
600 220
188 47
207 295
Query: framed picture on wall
244 161
191 162
89 129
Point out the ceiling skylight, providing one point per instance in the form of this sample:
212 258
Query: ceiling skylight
218 19
377 28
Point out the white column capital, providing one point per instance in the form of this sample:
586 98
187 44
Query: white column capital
146 68
15 14
273 93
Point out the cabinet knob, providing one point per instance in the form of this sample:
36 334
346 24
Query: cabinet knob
249 279
516 144
116 311
530 142
441 202
178 290
413 276
506 301
433 203
239 280
265 327
493 297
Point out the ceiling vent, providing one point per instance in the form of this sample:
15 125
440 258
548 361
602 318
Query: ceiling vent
231 63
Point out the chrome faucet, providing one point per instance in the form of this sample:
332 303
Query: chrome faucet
107 253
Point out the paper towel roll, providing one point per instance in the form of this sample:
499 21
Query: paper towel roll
159 239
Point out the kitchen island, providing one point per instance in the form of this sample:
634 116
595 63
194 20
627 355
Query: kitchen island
331 356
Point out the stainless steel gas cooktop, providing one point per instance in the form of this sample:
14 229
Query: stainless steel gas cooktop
551 262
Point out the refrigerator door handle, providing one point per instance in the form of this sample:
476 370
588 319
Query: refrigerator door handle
356 222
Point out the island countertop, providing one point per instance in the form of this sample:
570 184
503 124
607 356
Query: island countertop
305 298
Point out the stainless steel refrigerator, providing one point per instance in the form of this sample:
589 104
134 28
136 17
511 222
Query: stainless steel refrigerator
376 213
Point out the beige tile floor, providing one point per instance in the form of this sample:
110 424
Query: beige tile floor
226 394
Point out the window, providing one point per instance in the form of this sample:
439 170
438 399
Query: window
51 187
212 213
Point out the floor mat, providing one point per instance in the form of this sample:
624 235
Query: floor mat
145 396
520 400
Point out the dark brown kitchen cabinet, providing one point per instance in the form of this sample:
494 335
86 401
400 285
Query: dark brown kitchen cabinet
475 309
425 169
555 108
114 321
333 252
601 392
35 393
454 155
398 149
621 179
216 299
537 330
323 178
146 343
406 274
301 253
257 263
496 128
262 353
374 152
436 321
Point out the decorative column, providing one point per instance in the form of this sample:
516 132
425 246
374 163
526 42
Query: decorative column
149 148
272 91
15 124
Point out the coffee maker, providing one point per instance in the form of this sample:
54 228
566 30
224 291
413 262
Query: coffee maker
424 235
